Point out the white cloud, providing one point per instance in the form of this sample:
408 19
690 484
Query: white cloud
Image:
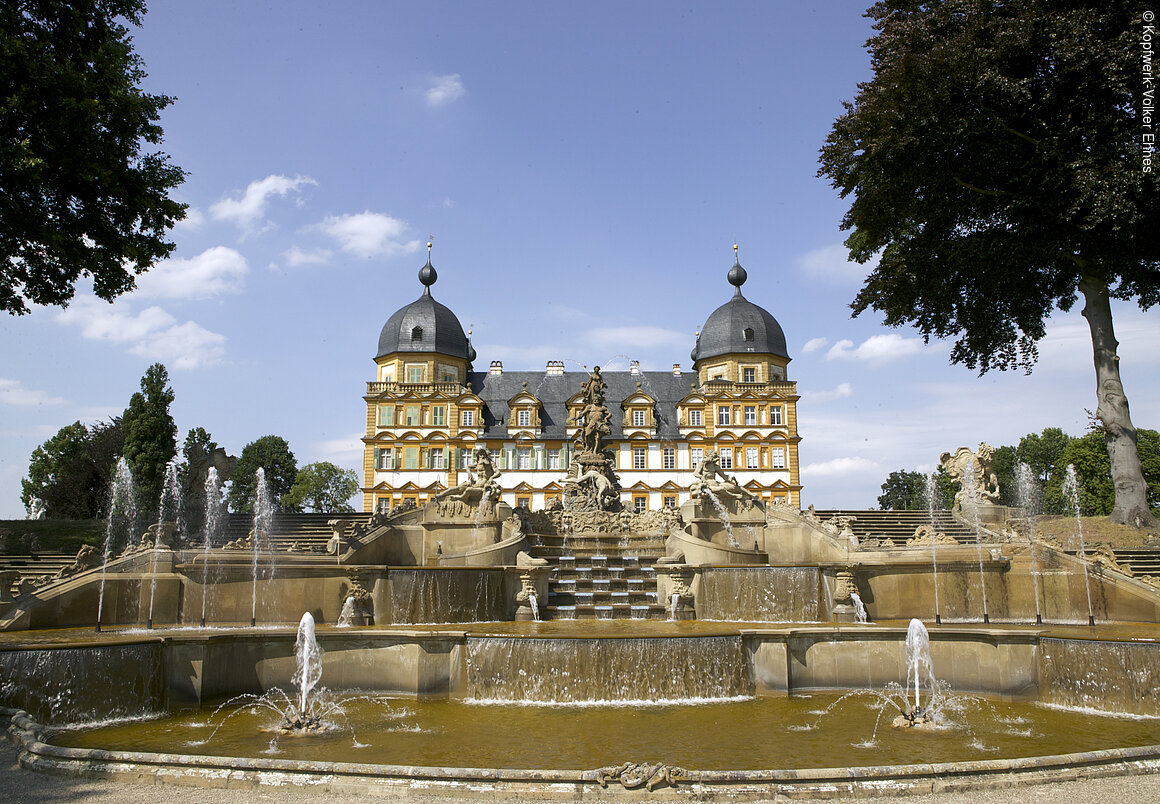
831 265
369 234
297 256
444 89
840 467
814 344
840 392
248 210
151 333
879 349
12 393
193 220
215 271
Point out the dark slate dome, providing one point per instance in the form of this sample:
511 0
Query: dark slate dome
739 326
425 325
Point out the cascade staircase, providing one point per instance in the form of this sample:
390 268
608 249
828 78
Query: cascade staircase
309 531
601 576
899 526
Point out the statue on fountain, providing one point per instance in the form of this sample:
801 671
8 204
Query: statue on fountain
591 483
706 484
480 490
974 473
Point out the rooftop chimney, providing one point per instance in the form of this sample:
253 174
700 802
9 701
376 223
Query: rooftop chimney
634 367
496 367
555 367
676 369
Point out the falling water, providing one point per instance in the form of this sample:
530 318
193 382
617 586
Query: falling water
446 596
214 517
1071 490
307 662
931 491
918 664
1030 496
673 606
263 520
122 522
860 615
972 496
168 511
346 616
763 594
535 604
724 515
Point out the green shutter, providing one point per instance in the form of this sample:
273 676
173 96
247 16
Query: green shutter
375 465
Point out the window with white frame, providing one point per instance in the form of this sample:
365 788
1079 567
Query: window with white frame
386 459
638 418
694 418
640 504
748 375
670 502
639 458
750 415
553 459
726 458
523 418
495 460
696 455
723 415
777 457
751 461
668 458
465 456
524 458
437 457
775 415
467 418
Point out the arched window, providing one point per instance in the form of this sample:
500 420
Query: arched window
417 334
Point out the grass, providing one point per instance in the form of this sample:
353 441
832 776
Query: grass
1096 530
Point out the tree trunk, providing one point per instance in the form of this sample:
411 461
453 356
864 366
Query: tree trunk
1120 436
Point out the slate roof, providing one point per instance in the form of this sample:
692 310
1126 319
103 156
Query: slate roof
442 332
554 390
724 331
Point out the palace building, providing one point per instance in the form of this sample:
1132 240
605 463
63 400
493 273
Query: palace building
429 409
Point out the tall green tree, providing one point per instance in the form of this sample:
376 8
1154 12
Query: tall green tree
150 434
903 491
1041 451
195 452
81 190
995 168
321 487
71 472
272 454
1096 491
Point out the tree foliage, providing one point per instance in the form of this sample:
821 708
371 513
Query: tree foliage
150 434
71 472
907 491
1096 491
322 487
78 194
995 168
272 454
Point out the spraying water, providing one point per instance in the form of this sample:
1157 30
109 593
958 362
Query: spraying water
122 522
724 516
931 490
214 517
918 664
346 616
168 511
535 604
263 519
860 615
307 664
970 486
1030 495
1071 490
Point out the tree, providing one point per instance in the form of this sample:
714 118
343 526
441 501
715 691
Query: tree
150 434
71 472
272 454
1041 452
996 172
1003 467
195 451
1094 477
322 487
903 491
77 194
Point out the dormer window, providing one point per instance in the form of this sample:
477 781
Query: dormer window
417 334
748 333
524 418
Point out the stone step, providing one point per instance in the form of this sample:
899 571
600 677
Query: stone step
604 612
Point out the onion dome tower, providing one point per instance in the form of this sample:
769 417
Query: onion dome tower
423 341
740 340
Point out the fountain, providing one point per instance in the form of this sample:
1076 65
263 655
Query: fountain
1030 497
122 522
214 517
169 509
931 491
307 674
1071 491
263 519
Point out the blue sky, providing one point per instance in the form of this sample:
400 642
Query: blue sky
585 170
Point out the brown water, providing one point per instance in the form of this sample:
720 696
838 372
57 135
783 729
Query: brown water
763 733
